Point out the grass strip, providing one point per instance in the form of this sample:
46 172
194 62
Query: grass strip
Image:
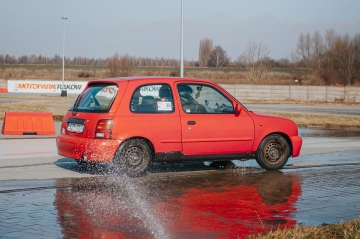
321 121
349 229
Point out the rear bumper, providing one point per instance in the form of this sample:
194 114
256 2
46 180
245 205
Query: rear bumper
296 142
96 150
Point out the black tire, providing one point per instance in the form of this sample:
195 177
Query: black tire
273 152
133 157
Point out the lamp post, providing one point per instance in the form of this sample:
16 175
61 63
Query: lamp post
63 91
182 41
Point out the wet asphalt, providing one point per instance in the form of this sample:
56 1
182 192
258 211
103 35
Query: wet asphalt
43 195
188 204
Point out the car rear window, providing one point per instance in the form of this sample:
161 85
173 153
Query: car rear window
96 98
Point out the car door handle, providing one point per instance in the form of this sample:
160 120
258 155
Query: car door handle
191 122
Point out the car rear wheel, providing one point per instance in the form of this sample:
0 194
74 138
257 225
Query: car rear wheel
273 152
133 157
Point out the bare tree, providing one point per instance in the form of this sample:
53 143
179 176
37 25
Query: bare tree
205 51
33 59
336 60
257 61
218 57
311 49
119 66
304 49
127 62
113 65
330 38
241 61
298 72
126 66
356 55
23 59
317 51
344 62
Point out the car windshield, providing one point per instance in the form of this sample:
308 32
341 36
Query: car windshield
96 98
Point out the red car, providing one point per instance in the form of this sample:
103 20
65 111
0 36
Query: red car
138 120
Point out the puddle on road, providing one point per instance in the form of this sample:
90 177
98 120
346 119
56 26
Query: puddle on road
186 204
218 204
328 133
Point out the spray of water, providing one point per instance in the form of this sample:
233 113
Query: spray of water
140 198
127 194
119 198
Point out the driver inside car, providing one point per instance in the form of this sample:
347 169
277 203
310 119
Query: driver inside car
190 105
185 92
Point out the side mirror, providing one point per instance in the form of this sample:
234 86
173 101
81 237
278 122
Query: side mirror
237 109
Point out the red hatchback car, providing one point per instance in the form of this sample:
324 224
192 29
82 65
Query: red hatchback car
134 121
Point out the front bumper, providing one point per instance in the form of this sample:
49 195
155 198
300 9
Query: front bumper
96 150
296 142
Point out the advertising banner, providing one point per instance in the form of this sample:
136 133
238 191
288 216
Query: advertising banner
38 86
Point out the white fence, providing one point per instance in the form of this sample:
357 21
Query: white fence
295 92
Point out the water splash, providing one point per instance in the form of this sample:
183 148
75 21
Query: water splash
120 199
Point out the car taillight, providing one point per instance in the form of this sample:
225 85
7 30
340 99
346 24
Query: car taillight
104 129
63 128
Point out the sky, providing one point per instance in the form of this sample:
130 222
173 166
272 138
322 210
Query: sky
144 28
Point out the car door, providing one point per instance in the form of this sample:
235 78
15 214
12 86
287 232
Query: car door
209 123
148 111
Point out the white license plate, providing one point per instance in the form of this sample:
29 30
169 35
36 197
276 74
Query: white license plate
77 128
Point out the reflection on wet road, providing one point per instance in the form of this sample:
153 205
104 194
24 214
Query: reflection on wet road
220 205
200 204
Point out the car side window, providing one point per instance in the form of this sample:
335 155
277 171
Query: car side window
203 99
152 98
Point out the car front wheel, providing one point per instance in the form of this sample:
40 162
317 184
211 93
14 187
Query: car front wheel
133 157
273 152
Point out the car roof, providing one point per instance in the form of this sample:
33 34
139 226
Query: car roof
147 79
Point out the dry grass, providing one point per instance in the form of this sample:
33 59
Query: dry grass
321 121
219 75
347 230
43 74
55 104
228 75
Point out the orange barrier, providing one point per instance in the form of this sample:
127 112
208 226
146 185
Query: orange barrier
3 86
28 123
